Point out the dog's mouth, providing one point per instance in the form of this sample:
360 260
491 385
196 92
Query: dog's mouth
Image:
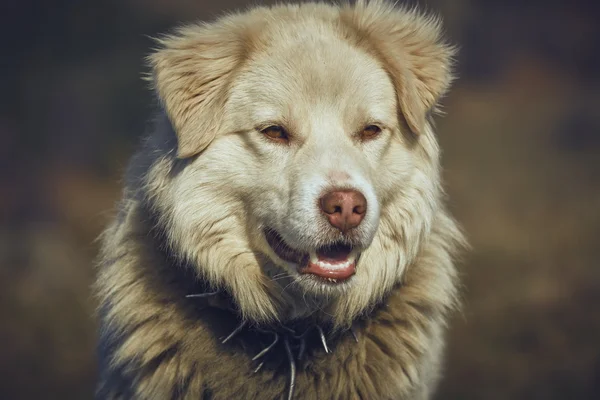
333 263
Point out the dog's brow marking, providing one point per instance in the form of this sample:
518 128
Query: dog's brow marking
235 331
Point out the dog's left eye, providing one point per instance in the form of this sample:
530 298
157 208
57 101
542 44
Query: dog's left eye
370 132
276 133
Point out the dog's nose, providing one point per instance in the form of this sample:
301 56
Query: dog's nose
345 209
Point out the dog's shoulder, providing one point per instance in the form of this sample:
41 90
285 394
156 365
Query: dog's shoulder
113 382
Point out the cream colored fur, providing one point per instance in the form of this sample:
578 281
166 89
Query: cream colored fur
324 72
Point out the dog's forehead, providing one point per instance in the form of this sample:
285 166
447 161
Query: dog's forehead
315 71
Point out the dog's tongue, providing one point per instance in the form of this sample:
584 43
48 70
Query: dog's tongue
331 263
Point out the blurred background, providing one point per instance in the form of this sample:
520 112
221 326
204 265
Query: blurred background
521 140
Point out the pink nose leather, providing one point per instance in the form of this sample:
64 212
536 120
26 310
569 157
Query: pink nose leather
345 209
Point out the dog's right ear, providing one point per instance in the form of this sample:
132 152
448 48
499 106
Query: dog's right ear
191 72
412 49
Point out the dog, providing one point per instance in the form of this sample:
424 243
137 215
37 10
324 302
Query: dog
282 232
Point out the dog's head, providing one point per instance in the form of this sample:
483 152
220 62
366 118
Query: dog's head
310 173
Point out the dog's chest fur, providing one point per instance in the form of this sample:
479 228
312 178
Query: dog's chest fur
157 343
369 366
202 191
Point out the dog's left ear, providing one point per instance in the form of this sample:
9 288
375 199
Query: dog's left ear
191 72
412 50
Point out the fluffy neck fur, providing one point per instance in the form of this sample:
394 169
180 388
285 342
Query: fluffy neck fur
156 343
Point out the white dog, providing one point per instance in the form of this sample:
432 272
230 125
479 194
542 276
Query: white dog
293 181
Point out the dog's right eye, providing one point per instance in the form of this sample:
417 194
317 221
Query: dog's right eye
370 132
276 133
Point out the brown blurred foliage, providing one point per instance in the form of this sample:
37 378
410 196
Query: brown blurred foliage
521 143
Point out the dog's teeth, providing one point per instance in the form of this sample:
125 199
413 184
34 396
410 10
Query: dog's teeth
313 256
352 255
330 266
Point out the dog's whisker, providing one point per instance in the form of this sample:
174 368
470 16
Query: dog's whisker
287 286
321 309
353 332
303 334
290 356
259 367
282 277
302 347
202 295
323 341
268 348
235 332
290 330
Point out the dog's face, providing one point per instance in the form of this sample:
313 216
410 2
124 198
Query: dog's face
317 122
318 173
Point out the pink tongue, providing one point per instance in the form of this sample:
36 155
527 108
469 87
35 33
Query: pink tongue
329 264
332 262
334 273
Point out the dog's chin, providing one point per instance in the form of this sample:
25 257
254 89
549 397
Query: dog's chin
328 266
